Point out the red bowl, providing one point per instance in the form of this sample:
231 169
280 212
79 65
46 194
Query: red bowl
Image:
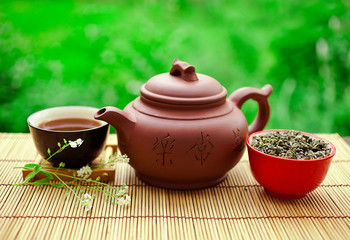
288 178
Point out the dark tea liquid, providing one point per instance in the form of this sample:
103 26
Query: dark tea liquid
70 124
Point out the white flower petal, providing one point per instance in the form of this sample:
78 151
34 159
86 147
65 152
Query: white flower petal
80 173
87 196
84 172
87 202
72 144
76 143
79 141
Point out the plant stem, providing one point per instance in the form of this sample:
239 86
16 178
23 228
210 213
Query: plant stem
67 186
58 151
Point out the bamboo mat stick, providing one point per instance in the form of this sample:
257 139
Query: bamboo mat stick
320 227
47 208
19 212
197 223
173 231
117 222
188 211
68 205
206 229
105 228
187 223
144 207
230 203
153 221
173 222
7 147
207 200
108 155
297 222
4 145
33 205
74 223
338 200
122 229
78 211
155 210
132 227
98 211
65 203
178 213
293 211
218 212
7 176
179 221
291 224
161 211
165 226
56 209
266 212
88 222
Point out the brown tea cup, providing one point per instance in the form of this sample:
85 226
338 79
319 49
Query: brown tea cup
51 126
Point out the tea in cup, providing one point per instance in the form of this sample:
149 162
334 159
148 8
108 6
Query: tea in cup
68 123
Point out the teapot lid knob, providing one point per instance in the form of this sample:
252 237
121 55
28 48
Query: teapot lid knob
186 71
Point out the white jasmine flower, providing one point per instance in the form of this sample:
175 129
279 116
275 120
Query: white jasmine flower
72 144
122 191
84 172
124 201
87 202
123 158
76 143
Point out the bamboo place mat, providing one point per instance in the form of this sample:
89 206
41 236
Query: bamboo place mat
238 208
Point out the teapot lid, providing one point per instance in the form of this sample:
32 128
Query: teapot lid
183 86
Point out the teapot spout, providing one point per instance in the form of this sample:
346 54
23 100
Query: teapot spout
122 121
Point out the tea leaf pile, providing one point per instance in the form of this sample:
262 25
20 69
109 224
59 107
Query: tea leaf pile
291 144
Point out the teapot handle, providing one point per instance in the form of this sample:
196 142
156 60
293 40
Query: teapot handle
241 95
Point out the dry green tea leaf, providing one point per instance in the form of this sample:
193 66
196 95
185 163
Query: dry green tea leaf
291 144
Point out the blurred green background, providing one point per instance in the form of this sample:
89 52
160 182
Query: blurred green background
55 53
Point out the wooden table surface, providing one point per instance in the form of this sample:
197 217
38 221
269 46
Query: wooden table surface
237 208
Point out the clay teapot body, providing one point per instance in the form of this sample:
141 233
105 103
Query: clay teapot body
182 132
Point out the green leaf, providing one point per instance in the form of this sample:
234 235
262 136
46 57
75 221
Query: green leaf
58 185
32 166
42 182
47 174
30 176
59 144
62 164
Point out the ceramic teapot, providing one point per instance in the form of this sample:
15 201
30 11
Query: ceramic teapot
182 132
